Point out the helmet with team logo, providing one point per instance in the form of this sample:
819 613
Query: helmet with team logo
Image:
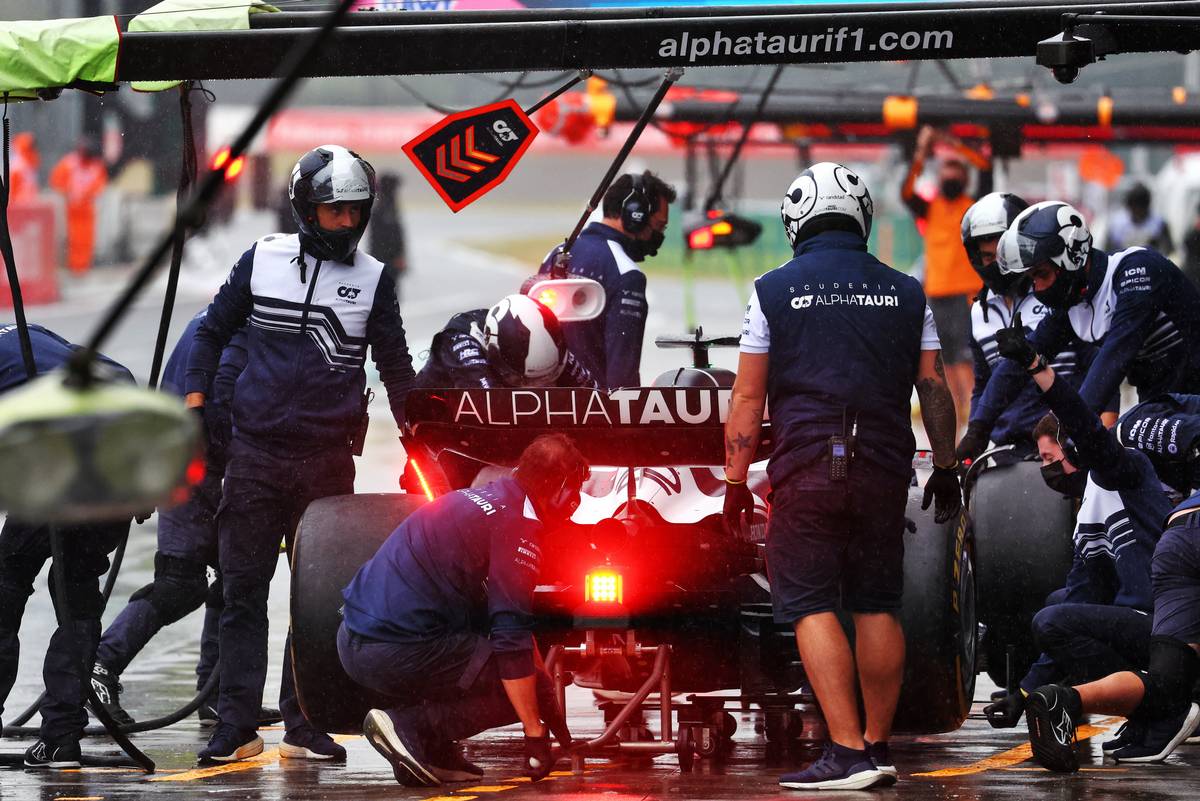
524 342
988 218
824 196
330 174
1054 232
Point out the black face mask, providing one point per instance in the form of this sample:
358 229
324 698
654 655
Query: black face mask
952 188
1064 292
639 249
1069 484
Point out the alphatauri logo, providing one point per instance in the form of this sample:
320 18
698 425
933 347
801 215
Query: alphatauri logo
348 293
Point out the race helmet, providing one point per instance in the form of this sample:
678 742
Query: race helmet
330 174
1055 232
820 194
990 216
524 342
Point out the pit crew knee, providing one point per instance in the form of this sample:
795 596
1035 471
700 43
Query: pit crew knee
1048 627
180 586
1174 668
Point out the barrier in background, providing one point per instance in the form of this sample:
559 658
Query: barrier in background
35 247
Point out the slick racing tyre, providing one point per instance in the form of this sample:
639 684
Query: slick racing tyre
939 624
335 538
1023 549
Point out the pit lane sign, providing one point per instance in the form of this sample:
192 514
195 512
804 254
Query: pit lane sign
470 153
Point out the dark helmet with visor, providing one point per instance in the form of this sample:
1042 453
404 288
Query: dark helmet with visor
1054 232
330 174
989 217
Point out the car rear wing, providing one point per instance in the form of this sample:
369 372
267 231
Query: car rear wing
639 426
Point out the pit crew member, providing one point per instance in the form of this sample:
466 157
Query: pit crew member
470 555
841 465
311 303
635 210
1135 305
187 547
24 549
1100 623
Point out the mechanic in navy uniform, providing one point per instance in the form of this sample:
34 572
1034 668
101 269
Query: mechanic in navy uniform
1135 305
835 341
1099 623
635 210
24 549
1002 297
313 303
1167 429
442 619
516 343
187 547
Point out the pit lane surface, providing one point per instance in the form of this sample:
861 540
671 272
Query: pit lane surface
976 762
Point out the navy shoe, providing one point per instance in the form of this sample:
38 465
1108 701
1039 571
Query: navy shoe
1052 712
400 745
449 765
230 745
108 689
883 760
1131 731
305 742
207 713
839 768
43 755
1161 737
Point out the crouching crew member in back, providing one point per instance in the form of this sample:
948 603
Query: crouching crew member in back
471 556
836 341
314 303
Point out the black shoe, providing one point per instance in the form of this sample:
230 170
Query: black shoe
207 713
269 716
1052 712
1131 731
230 745
305 742
43 755
1161 737
400 746
883 761
108 689
449 765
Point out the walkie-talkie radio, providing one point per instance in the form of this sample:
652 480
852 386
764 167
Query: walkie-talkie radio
841 451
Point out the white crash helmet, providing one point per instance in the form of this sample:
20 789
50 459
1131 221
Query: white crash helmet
823 191
1048 231
524 342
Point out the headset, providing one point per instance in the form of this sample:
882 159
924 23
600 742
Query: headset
637 207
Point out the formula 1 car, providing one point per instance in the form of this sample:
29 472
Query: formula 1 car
645 563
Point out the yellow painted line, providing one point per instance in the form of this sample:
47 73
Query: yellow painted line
1015 756
264 759
488 788
450 798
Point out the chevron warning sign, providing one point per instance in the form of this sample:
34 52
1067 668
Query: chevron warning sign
468 153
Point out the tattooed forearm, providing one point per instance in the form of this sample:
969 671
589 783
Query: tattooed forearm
938 414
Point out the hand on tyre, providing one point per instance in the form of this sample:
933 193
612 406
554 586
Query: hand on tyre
538 762
1012 344
1006 713
943 490
973 443
739 508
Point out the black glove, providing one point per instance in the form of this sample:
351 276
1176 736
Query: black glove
203 441
973 442
551 714
538 762
1012 344
943 490
1006 712
739 508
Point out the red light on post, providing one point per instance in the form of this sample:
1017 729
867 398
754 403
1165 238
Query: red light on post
232 168
604 587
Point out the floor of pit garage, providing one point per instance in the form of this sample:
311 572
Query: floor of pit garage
976 762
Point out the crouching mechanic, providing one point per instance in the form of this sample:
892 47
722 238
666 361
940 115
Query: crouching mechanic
311 304
835 340
1004 295
24 549
1135 305
1157 702
1100 622
187 546
470 555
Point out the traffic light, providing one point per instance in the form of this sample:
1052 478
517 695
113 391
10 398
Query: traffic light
721 229
232 168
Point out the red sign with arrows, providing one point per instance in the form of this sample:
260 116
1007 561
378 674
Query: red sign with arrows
469 153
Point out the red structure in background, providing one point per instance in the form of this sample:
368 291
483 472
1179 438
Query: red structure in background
32 224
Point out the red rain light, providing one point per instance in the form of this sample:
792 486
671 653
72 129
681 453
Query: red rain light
604 586
421 478
701 239
548 298
195 472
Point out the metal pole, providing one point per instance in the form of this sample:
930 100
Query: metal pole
715 194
